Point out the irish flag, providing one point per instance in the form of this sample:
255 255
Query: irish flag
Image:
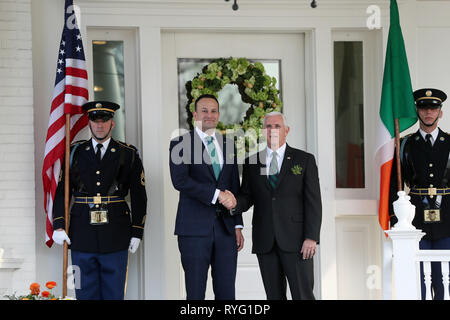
396 102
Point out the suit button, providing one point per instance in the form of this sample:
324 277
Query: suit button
431 175
430 165
97 172
273 198
98 183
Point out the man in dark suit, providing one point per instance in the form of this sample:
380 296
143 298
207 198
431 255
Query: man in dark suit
203 167
102 227
283 185
425 167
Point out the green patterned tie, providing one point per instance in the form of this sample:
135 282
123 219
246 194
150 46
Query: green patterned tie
273 170
213 155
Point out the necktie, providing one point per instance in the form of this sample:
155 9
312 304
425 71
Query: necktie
273 170
98 154
213 155
428 138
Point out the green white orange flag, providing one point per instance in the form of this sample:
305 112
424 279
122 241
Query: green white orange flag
396 102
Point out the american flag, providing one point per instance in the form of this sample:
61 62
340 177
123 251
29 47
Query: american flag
69 94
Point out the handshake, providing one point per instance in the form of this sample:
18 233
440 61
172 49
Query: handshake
227 199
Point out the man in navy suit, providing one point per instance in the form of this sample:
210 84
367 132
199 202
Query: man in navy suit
204 169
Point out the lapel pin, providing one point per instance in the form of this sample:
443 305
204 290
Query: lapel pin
88 148
442 139
113 150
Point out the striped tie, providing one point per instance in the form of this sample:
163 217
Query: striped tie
273 170
214 157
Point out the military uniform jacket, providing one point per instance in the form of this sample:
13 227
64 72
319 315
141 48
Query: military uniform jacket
118 173
424 167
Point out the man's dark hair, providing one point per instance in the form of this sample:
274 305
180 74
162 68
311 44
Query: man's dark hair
206 95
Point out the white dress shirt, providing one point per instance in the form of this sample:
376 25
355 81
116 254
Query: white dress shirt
103 149
203 137
280 156
434 135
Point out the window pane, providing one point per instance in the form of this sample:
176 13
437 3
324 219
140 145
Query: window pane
232 108
109 79
349 116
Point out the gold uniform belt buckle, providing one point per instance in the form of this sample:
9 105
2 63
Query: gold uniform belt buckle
432 216
432 192
97 200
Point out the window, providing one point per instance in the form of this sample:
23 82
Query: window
349 114
113 62
109 82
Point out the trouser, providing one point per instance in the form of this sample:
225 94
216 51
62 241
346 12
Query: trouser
436 273
277 265
102 275
218 250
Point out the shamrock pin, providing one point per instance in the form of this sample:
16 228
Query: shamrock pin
296 169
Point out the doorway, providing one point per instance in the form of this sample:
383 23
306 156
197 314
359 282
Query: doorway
182 52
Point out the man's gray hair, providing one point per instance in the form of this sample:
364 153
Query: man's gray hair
275 113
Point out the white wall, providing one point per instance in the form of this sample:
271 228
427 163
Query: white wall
17 180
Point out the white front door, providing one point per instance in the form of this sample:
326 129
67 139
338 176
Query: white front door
289 51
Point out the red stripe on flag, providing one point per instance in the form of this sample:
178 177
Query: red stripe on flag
75 72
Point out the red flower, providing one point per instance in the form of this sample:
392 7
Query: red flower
50 284
35 288
45 294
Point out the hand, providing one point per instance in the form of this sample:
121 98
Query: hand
134 244
309 248
239 239
227 199
59 236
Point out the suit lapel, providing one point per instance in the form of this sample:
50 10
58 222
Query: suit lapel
286 165
111 152
196 140
262 169
90 152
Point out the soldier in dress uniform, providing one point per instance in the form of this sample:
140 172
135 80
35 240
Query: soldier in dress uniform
102 227
425 166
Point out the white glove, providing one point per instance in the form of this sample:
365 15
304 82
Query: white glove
134 244
60 236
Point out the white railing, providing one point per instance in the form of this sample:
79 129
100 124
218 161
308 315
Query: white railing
428 256
407 256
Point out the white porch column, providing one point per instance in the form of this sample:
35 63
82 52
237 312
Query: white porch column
405 246
406 268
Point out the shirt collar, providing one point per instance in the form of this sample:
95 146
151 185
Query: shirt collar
434 134
203 135
280 152
105 144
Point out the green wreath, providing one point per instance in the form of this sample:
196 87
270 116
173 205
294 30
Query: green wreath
254 85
